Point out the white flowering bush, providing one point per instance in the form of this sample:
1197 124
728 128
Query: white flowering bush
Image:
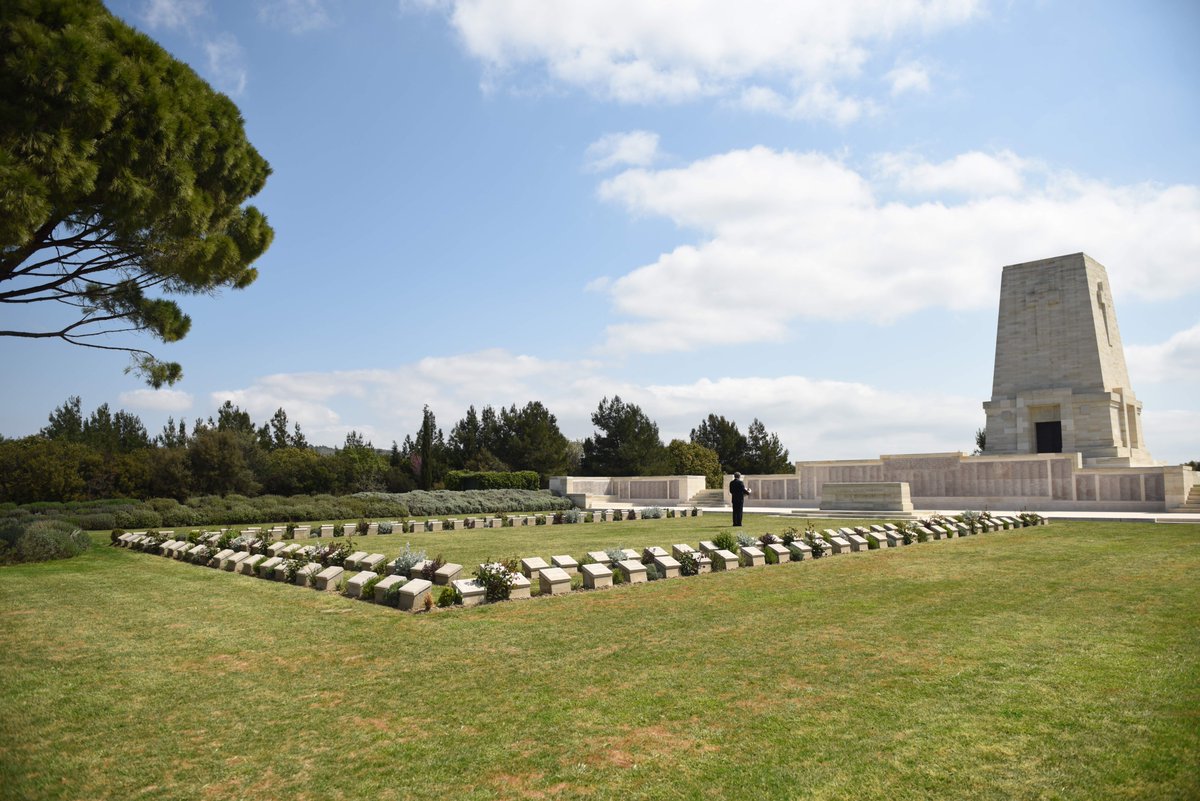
496 579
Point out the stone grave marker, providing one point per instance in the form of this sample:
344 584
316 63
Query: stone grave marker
381 589
531 565
554 581
413 595
472 591
355 584
447 573
751 556
596 576
723 559
328 579
632 570
566 562
667 565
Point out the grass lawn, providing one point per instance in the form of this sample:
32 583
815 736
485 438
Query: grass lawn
1060 662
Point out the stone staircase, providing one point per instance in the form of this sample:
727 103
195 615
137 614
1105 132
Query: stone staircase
1192 505
708 497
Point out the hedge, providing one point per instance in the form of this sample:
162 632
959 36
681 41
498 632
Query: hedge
492 480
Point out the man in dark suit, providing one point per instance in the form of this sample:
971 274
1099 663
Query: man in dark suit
739 491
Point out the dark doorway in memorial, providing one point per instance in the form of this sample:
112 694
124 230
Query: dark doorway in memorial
1049 437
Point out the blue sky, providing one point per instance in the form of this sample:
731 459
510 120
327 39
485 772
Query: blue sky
759 209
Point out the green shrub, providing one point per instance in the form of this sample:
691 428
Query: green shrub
496 579
137 518
615 555
725 541
458 480
432 566
449 597
385 528
368 590
407 559
653 513
689 565
43 540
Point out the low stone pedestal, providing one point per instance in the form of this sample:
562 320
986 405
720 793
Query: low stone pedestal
532 565
275 548
266 568
668 566
234 559
381 589
554 581
328 579
521 588
706 546
447 573
372 561
565 562
780 552
352 561
249 565
654 551
838 545
325 531
599 557
800 550
895 538
633 571
751 556
596 576
413 595
723 559
305 576
679 549
354 586
630 553
472 591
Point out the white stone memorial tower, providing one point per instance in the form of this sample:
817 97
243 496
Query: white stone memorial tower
1060 383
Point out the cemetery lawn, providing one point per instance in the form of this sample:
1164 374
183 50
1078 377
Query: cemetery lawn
1055 662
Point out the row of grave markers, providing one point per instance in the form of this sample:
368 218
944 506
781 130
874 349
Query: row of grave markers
554 578
459 524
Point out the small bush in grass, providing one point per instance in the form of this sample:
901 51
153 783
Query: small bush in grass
116 535
725 541
789 535
908 533
289 532
449 597
432 566
497 580
652 572
392 596
291 568
971 519
385 528
615 555
334 554
689 565
407 559
368 590
572 516
817 544
746 540
362 528
653 513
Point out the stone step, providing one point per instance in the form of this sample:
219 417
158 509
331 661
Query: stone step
713 497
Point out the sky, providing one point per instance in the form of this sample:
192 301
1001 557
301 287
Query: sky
792 211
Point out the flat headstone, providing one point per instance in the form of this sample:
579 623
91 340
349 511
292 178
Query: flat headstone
654 551
667 565
413 595
706 546
838 545
554 581
800 550
326 531
723 559
372 529
327 579
530 566
249 565
680 548
751 556
596 576
781 552
266 568
196 550
352 561
472 591
447 573
521 588
221 556
355 584
301 532
381 589
566 562
632 570
894 538
858 542
630 553
600 557
306 576
291 549
418 570
453 524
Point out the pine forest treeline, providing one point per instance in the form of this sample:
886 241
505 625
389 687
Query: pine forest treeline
107 454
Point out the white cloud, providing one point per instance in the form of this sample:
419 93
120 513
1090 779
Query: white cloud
817 101
1176 360
816 419
160 400
909 77
172 14
639 52
226 65
972 173
295 16
808 236
634 148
